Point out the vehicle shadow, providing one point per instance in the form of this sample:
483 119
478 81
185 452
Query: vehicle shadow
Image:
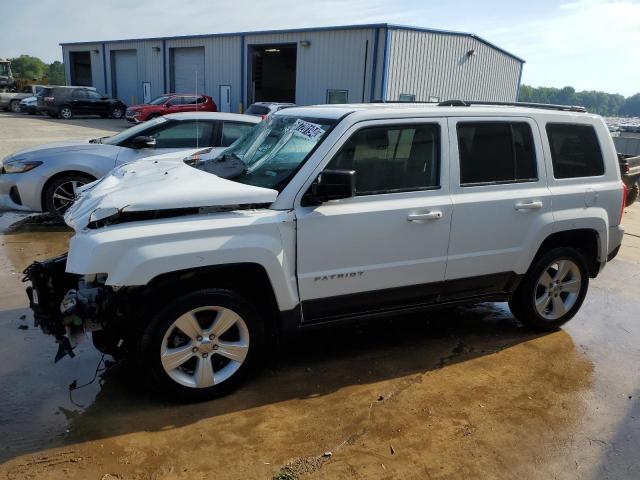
312 365
91 121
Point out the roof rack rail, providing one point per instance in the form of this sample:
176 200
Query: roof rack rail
544 106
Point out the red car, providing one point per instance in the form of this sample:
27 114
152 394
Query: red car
170 103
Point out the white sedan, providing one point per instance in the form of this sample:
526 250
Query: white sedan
45 178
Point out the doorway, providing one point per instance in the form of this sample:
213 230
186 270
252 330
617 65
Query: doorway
273 73
80 69
225 98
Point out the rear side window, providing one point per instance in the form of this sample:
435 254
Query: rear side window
496 152
392 159
175 101
575 151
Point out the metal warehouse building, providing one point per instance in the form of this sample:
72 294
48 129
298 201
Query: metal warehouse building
358 63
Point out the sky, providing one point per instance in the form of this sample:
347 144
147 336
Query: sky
588 44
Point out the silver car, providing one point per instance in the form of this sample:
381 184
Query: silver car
45 178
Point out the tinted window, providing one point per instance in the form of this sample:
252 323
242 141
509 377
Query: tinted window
337 96
575 150
496 152
392 159
80 95
201 100
175 101
189 100
184 135
257 110
232 131
94 95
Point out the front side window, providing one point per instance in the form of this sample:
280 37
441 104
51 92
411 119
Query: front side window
175 101
189 134
575 151
94 95
496 152
80 95
392 159
271 153
232 131
125 136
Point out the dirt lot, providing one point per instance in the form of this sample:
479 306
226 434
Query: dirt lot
465 393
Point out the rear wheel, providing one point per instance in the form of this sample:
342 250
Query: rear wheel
632 194
14 106
203 344
61 193
117 112
65 112
553 290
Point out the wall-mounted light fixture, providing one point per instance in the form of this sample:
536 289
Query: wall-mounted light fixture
472 53
96 51
272 50
156 49
305 43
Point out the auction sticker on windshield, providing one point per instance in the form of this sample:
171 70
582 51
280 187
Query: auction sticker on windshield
309 130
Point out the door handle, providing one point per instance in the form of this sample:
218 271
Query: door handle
528 205
421 217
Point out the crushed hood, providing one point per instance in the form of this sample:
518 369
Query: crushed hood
161 185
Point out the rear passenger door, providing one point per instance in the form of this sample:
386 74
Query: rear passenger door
501 204
386 247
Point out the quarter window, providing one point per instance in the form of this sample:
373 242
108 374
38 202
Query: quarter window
575 151
392 159
184 135
496 152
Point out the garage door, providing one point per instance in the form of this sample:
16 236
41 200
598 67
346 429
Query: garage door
125 75
185 63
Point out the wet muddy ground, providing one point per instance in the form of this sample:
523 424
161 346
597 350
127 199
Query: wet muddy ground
463 393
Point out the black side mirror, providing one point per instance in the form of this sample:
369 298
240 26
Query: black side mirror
331 185
143 141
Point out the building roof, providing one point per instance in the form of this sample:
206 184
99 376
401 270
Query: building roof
388 26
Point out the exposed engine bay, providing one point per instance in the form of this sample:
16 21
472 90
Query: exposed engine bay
69 306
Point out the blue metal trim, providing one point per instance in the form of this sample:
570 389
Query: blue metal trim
164 66
309 30
104 67
374 67
385 66
243 90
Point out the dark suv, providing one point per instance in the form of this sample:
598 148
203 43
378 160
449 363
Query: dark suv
65 102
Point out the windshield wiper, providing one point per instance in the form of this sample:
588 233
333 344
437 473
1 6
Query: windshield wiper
229 165
97 140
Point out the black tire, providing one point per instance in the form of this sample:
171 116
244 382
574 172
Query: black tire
15 107
632 194
52 205
65 112
523 302
117 112
153 338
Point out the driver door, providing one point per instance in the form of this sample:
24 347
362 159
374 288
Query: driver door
384 249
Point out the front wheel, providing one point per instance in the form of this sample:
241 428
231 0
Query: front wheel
15 107
202 344
61 193
553 290
117 112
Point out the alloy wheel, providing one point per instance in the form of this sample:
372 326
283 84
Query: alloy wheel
116 113
205 346
65 195
66 113
15 107
558 289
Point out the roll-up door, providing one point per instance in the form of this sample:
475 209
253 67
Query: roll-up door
125 75
187 64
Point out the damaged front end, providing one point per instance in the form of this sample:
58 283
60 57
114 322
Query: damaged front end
66 305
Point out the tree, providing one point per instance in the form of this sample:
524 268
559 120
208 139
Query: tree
631 106
56 73
26 66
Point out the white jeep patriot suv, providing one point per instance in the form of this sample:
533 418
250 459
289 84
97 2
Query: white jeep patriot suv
326 214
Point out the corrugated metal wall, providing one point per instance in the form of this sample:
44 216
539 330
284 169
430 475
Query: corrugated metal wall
421 63
335 59
95 50
434 64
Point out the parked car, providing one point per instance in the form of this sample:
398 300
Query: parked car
45 178
170 103
29 105
65 102
327 214
630 170
264 109
12 100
